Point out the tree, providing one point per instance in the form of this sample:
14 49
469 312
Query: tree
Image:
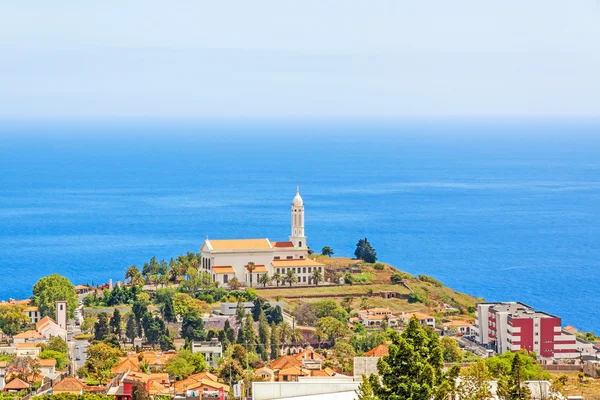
231 371
333 328
186 363
250 267
512 387
474 383
317 276
234 283
414 368
130 328
305 315
290 277
192 327
278 278
101 357
263 336
275 343
61 358
264 279
12 318
101 329
364 251
327 251
56 343
365 390
344 354
450 349
115 322
168 310
88 323
138 391
52 288
183 304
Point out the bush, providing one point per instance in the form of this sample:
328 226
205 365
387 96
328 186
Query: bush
379 266
396 278
428 279
415 297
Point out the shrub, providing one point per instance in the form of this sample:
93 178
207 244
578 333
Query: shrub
379 266
428 279
415 297
396 278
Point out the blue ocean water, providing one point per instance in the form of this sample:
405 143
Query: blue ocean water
502 210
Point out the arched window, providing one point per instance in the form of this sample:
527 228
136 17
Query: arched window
300 244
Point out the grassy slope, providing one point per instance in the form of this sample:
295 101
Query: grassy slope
435 296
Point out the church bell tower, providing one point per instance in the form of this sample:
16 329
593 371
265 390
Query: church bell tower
298 238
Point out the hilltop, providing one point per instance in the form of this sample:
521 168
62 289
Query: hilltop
363 286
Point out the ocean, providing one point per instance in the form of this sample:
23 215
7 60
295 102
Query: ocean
503 210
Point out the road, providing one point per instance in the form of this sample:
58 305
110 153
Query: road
473 347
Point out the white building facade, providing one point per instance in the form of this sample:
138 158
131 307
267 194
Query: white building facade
248 259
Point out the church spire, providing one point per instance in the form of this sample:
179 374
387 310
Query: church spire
297 237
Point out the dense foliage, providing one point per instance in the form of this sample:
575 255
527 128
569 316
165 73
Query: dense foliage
54 288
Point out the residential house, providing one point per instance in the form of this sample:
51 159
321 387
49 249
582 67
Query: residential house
16 385
267 374
203 382
424 319
376 316
27 350
457 326
69 385
33 313
31 336
211 350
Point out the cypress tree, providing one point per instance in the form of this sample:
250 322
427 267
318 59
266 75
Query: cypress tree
130 328
275 342
263 336
115 322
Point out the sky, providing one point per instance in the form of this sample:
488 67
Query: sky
278 58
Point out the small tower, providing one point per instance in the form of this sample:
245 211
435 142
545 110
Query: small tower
61 313
298 238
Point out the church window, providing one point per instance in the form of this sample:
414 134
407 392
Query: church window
300 244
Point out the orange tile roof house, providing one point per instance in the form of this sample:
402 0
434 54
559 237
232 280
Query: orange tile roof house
378 351
31 336
226 259
424 319
16 385
69 385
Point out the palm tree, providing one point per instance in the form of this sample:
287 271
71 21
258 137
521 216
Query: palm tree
290 277
327 251
317 276
264 279
319 334
284 332
296 336
277 277
134 275
250 267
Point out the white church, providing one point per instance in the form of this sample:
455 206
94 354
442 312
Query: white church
225 259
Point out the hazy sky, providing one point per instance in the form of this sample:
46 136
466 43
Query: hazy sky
299 58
